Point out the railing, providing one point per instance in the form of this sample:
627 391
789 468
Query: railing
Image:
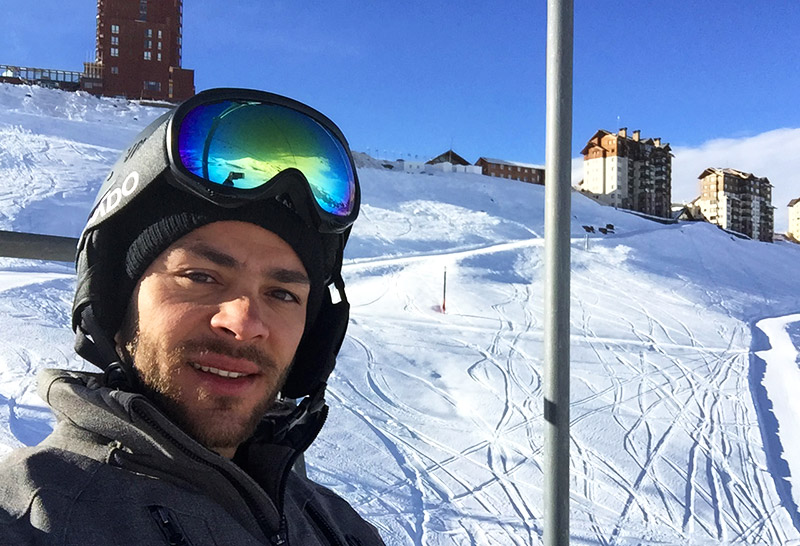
29 74
37 247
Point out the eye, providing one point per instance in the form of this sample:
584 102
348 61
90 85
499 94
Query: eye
285 296
199 277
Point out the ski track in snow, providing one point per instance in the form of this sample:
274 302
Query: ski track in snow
674 385
435 433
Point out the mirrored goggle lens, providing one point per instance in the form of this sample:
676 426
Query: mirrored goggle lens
242 144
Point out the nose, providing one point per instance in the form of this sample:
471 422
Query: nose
239 318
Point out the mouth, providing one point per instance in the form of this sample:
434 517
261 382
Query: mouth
216 371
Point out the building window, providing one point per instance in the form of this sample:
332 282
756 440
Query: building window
115 40
159 57
159 34
143 10
147 55
115 70
115 52
152 86
159 46
148 44
148 33
114 29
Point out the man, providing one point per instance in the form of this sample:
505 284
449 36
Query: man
204 280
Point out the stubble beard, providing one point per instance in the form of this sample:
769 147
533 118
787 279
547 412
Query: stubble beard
212 420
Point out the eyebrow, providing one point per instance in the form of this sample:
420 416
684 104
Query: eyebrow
222 259
214 256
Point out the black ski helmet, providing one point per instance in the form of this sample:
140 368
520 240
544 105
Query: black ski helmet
151 198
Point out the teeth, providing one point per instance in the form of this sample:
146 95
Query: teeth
215 371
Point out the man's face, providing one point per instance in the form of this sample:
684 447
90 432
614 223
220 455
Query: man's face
213 326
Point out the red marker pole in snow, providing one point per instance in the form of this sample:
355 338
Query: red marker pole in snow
558 193
444 291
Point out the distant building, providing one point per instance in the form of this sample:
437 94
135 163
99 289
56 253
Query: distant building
411 166
738 201
448 157
513 170
686 212
139 51
794 219
138 55
628 172
447 162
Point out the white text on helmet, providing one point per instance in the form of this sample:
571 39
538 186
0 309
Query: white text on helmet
111 200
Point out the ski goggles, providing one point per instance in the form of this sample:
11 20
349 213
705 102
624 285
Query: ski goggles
236 145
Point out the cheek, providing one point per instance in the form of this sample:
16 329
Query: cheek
170 322
289 331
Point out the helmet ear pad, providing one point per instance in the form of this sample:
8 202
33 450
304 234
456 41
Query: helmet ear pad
316 355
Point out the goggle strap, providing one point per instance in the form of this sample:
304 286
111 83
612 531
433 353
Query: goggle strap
338 281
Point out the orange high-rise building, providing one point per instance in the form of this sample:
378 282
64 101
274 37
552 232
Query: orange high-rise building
139 51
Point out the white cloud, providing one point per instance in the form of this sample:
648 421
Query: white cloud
774 154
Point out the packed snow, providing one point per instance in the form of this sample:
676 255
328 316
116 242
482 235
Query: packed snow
684 351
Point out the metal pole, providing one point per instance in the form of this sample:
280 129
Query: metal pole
558 192
444 291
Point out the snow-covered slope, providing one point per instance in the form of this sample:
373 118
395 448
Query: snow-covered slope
680 429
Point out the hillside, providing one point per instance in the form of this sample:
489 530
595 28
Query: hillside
435 432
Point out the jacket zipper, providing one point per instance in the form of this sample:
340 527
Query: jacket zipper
172 531
277 538
281 538
293 459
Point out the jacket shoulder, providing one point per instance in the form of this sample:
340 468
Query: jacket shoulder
36 484
27 472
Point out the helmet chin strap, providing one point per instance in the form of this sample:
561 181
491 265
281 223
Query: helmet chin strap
92 339
307 409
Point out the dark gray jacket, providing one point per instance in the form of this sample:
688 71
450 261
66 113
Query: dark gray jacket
116 471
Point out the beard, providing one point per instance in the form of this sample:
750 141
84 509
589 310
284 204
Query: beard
215 421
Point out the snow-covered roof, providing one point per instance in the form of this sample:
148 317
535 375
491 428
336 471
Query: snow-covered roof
733 172
512 163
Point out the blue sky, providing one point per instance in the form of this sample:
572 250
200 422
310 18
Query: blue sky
411 79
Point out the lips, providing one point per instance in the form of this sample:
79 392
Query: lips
224 366
217 371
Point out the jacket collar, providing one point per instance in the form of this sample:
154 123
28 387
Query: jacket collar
127 430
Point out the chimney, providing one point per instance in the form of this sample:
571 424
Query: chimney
623 132
636 135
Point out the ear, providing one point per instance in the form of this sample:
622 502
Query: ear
129 328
